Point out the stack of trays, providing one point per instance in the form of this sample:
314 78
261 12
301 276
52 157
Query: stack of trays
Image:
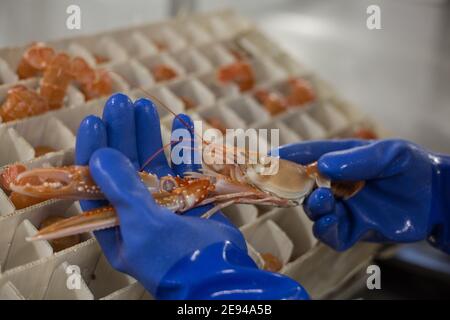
194 47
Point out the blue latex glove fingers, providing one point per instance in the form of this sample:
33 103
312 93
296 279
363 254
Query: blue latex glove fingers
149 141
130 198
307 152
319 203
185 157
380 159
335 229
92 136
119 119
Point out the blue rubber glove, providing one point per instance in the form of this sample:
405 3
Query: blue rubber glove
173 256
405 199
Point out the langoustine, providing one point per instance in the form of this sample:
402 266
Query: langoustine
34 60
22 102
94 83
299 93
163 72
58 70
239 72
56 80
233 183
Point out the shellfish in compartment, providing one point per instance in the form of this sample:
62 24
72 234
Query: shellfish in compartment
216 123
363 130
298 92
60 243
273 102
55 80
365 133
22 102
239 73
163 67
94 83
46 134
35 59
270 241
255 255
41 150
47 217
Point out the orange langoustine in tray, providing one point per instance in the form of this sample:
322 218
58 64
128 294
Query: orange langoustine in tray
58 71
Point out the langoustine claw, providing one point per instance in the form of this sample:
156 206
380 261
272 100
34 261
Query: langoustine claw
70 182
19 200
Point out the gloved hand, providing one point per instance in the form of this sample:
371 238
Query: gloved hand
173 256
405 199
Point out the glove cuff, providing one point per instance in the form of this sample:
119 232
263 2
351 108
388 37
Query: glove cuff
224 271
440 212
